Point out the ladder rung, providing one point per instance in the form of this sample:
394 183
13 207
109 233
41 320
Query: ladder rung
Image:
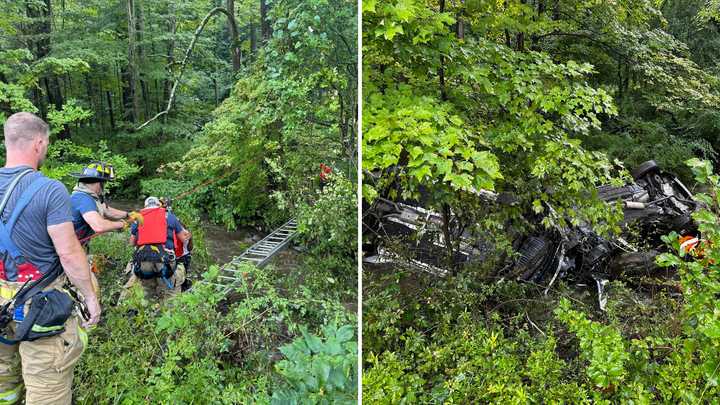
264 247
254 259
265 250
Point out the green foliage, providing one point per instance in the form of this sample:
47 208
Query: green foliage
436 345
448 116
203 344
328 228
602 346
292 109
65 157
473 340
224 148
320 369
434 143
71 113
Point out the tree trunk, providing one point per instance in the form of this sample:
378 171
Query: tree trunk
145 97
97 117
110 109
167 85
253 39
447 235
140 57
443 91
233 31
620 83
132 101
41 28
157 95
460 25
534 38
183 64
265 28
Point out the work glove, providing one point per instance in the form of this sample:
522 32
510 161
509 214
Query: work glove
135 217
93 307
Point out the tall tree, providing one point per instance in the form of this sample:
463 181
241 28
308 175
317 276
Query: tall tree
130 93
265 27
234 37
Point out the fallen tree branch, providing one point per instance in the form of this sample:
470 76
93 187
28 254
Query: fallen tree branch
183 64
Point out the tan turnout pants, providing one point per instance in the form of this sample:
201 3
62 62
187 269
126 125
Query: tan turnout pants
45 366
155 287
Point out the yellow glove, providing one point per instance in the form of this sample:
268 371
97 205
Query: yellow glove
136 217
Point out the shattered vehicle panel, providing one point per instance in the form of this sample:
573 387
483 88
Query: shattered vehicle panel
656 203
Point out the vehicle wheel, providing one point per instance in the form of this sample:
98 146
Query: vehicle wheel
682 223
533 254
644 168
635 264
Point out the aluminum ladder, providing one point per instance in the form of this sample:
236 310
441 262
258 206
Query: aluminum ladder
258 254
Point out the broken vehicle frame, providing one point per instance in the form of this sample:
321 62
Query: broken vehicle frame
657 202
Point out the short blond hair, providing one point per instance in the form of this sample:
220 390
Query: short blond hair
23 127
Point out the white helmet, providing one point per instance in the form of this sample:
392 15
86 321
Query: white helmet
152 202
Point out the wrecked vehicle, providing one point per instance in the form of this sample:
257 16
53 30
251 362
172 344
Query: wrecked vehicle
656 203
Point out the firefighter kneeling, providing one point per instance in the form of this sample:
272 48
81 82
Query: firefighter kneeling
154 265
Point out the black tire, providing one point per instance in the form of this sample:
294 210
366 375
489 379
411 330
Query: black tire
635 264
533 254
644 168
682 223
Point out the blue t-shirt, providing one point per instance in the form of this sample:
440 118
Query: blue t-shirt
50 206
82 203
173 226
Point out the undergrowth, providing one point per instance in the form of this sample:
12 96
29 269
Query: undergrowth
265 342
472 339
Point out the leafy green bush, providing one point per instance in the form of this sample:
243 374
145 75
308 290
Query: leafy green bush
320 371
328 228
203 344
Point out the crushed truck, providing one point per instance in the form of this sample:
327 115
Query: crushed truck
654 204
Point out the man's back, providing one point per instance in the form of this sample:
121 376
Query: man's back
172 226
82 203
50 206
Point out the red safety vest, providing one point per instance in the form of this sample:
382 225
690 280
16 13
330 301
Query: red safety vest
153 231
178 245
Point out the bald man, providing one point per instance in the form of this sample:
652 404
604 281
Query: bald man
42 237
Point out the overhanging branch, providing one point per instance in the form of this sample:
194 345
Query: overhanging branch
183 64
